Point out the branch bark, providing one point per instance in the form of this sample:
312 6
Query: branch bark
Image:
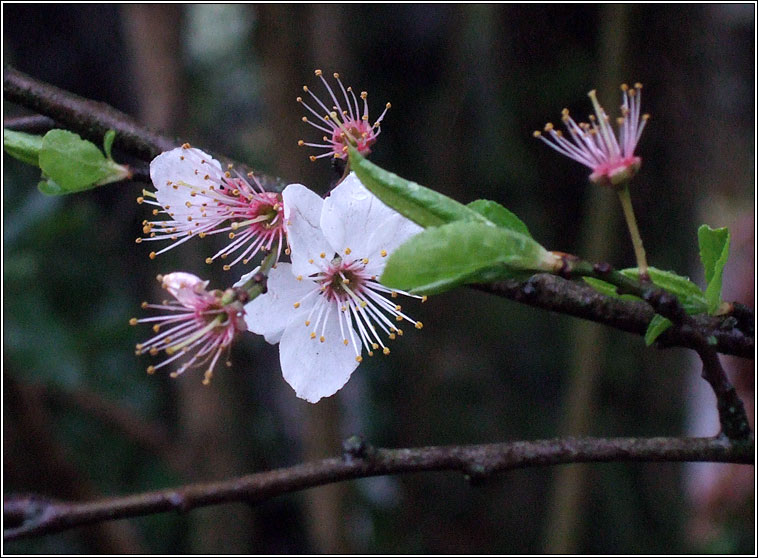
28 516
556 294
91 119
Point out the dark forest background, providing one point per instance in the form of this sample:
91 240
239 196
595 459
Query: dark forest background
468 85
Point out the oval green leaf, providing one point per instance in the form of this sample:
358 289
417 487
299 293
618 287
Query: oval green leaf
499 215
441 258
421 205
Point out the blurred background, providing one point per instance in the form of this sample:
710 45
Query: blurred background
468 85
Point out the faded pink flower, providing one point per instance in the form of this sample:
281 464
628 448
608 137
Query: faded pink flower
201 198
338 123
199 324
612 160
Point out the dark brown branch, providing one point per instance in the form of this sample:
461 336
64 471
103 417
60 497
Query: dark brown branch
578 299
91 119
35 124
478 462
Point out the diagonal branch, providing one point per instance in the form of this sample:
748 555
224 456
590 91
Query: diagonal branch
91 119
29 516
578 299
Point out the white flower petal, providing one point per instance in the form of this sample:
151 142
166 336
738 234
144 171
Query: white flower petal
270 313
246 277
313 368
386 238
182 166
350 213
184 287
302 210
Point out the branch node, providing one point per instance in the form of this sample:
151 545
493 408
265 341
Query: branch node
356 447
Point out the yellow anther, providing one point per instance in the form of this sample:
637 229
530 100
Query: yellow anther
152 255
313 334
312 158
151 369
307 323
207 377
322 339
393 294
359 358
383 253
347 251
143 305
344 341
336 75
398 319
386 350
419 325
388 106
209 260
297 305
300 143
186 146
322 255
346 281
392 336
138 240
364 94
231 235
374 346
174 374
226 268
423 298
299 277
140 199
133 321
156 328
305 88
365 261
318 73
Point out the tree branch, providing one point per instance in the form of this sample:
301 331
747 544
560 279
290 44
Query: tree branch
578 299
29 516
91 119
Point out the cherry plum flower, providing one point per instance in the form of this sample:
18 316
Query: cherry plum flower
327 306
595 145
341 123
198 324
200 198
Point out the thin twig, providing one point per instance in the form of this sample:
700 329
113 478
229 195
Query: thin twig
478 462
91 119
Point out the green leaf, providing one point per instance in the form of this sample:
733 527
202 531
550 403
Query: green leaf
74 164
50 188
689 294
22 146
657 325
714 251
110 135
421 205
499 215
441 258
607 289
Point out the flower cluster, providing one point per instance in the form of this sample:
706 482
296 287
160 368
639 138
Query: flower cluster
326 306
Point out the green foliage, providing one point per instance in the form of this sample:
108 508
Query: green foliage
22 146
688 293
502 217
441 258
73 164
418 203
657 325
714 251
69 164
